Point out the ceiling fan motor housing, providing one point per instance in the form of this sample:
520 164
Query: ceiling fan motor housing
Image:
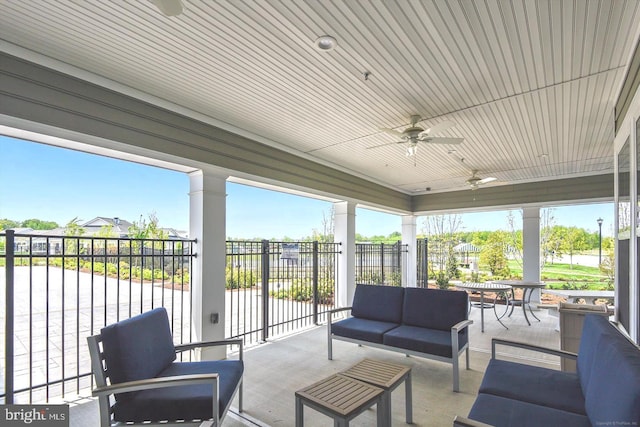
412 132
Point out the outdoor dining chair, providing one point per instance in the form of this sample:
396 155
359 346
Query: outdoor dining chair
138 379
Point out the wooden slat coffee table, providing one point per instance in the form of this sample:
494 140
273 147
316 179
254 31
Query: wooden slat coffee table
387 376
341 398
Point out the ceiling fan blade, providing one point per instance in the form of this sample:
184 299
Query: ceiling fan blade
443 140
440 127
487 179
382 145
391 132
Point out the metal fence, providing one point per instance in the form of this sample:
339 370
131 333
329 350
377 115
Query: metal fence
65 288
278 287
60 289
380 263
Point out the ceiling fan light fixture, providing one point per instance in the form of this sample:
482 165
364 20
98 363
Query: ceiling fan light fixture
169 7
412 150
326 43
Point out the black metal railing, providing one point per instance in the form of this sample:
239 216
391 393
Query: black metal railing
380 263
422 262
278 287
61 289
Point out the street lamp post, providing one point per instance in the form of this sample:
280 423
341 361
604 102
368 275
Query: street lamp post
600 241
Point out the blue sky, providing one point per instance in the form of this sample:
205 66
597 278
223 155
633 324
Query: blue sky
57 184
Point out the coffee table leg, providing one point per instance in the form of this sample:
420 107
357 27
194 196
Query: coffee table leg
299 413
408 397
383 410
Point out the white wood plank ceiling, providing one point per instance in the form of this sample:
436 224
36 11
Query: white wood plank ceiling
530 84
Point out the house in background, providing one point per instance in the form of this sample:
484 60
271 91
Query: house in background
119 227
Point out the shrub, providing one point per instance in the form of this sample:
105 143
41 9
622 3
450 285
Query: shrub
236 278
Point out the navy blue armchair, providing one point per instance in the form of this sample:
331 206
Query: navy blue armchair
139 380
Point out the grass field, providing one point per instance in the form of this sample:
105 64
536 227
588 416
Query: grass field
561 276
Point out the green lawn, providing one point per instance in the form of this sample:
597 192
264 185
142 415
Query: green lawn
559 276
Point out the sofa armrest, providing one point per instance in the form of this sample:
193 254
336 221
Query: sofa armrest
330 314
461 325
152 383
201 344
518 344
459 421
337 310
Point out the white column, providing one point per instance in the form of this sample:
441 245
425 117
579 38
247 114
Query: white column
207 223
345 233
531 248
409 236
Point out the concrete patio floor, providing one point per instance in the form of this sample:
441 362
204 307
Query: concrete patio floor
276 369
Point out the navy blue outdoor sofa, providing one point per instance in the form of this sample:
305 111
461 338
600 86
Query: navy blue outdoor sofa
134 361
605 390
428 323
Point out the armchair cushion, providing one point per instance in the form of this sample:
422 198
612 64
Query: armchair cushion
182 402
423 340
362 329
533 384
503 412
382 303
615 373
138 348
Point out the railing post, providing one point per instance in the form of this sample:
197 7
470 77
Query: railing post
9 310
398 266
265 289
315 282
425 263
382 263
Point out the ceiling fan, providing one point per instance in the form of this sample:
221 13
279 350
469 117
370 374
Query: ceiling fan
415 134
475 181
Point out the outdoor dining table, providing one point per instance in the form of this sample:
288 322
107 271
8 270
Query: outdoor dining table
527 289
482 288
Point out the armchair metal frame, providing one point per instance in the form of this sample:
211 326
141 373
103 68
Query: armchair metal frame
104 391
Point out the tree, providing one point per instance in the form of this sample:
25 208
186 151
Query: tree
37 224
327 231
73 228
452 264
575 240
493 254
7 224
441 231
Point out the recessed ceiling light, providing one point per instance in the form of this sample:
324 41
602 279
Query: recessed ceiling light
326 43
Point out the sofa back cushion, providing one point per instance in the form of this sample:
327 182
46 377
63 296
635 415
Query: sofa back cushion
434 308
612 394
383 303
139 347
592 332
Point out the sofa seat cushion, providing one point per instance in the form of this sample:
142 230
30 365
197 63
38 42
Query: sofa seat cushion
362 329
504 412
382 303
613 390
540 386
422 340
182 402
